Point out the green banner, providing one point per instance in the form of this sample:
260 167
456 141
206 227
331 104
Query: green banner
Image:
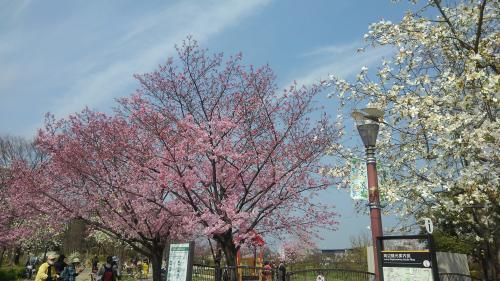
358 180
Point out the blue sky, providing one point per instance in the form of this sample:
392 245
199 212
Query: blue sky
60 56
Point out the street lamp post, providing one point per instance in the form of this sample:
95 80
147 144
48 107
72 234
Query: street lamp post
368 125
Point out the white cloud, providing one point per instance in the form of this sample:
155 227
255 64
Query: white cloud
202 21
339 61
333 49
85 54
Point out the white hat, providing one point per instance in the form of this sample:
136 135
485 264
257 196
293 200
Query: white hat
76 260
52 255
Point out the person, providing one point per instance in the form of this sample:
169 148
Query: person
139 269
60 264
116 265
129 267
268 274
107 272
281 271
72 270
47 271
31 266
95 261
145 268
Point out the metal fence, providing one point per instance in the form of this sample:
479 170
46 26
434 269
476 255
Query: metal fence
330 275
204 273
245 273
240 273
457 277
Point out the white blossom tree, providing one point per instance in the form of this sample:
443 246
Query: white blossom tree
440 134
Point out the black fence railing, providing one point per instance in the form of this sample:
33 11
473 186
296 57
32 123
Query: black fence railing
246 273
239 273
204 273
457 277
333 274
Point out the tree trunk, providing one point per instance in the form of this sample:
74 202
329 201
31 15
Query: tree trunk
497 263
217 259
489 262
17 255
230 252
156 260
45 253
1 255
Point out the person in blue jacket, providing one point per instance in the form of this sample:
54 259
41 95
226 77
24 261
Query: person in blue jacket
72 270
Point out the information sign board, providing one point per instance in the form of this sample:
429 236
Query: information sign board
407 265
403 264
180 262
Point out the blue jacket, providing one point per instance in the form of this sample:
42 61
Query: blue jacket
69 273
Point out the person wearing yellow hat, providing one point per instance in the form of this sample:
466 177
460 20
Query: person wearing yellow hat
47 271
72 270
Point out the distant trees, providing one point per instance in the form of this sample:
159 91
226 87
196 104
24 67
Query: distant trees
20 225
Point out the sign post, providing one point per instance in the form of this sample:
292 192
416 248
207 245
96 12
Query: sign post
429 227
180 262
407 262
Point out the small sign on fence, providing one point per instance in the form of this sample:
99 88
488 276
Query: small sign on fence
180 262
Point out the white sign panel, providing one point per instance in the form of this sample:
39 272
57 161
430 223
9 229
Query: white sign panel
178 262
407 274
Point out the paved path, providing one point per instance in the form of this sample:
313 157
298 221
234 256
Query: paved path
85 275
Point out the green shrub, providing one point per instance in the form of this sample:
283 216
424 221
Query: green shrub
11 273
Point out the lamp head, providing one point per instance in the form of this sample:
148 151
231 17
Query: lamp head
368 133
367 121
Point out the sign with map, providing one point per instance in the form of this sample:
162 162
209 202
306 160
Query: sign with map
407 258
180 262
407 265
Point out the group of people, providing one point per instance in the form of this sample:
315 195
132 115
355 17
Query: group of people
56 269
108 272
137 268
270 271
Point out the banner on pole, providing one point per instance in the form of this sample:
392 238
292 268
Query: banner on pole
358 180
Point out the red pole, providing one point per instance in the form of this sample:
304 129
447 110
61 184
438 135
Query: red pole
375 217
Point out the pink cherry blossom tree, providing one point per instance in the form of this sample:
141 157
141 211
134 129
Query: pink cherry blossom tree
95 172
240 155
293 251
